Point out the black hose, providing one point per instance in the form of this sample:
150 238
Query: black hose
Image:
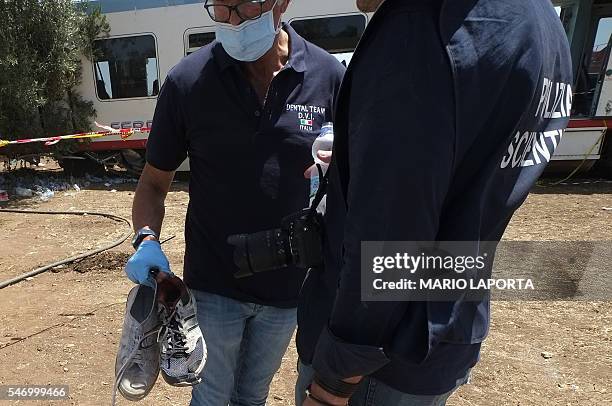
45 268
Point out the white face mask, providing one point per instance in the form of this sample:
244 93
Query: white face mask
250 40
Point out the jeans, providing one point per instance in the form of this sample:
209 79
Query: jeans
246 343
374 393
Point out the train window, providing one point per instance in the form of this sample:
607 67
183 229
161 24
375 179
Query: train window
338 35
593 70
198 40
126 67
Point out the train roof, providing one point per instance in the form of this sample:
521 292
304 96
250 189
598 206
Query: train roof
116 6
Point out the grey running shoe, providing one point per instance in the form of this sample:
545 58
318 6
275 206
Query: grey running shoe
183 350
137 363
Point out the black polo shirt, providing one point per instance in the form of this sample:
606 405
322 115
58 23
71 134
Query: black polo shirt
247 160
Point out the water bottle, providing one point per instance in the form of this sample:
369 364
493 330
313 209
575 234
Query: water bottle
324 142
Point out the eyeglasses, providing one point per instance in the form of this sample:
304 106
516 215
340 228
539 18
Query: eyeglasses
222 13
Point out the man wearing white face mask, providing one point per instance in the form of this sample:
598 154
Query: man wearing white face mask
245 110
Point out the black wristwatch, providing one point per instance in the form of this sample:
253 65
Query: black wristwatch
141 234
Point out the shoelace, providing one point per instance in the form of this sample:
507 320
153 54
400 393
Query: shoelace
172 333
133 357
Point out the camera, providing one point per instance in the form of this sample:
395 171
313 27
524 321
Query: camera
297 241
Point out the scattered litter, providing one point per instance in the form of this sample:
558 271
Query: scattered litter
607 208
31 184
4 196
546 355
114 191
569 386
23 192
46 194
29 278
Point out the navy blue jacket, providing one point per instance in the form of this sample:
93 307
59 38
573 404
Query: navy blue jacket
446 118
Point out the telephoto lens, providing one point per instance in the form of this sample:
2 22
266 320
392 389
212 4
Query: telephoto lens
260 252
297 242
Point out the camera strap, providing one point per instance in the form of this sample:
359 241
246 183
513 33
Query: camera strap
323 181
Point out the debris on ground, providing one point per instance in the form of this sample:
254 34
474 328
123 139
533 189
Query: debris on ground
23 192
546 355
28 182
45 194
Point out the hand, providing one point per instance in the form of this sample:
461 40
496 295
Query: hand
324 156
149 255
319 393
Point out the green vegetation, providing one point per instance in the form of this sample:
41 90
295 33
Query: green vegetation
42 43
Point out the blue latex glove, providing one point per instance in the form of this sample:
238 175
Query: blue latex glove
148 256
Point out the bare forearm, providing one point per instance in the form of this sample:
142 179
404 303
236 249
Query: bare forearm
148 209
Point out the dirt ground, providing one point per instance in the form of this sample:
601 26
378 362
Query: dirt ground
63 327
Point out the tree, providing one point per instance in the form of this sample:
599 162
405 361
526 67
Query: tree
42 43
